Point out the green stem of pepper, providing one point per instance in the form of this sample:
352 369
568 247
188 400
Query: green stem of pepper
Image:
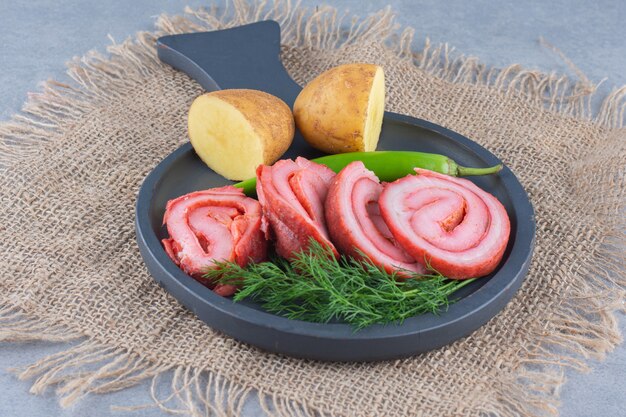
390 165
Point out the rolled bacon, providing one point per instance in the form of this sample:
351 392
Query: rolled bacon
447 223
220 224
292 195
355 224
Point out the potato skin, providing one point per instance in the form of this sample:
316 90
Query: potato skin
270 117
330 111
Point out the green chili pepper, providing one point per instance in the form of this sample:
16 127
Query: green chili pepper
390 165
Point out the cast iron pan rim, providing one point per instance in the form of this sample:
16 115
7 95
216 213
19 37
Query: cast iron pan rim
507 276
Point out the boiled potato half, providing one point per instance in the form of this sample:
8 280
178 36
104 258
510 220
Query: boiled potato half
342 109
235 131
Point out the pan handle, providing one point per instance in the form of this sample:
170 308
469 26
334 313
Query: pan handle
242 57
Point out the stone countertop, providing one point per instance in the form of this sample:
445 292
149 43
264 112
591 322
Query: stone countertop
39 36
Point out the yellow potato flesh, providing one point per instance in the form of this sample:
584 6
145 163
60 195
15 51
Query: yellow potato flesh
342 109
235 131
223 138
375 112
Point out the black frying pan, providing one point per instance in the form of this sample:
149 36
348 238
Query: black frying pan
249 57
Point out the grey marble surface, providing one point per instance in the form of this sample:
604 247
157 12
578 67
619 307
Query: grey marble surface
38 36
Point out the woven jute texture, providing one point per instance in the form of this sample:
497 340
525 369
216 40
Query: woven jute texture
73 161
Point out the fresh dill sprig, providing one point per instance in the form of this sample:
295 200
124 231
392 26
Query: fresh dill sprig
317 287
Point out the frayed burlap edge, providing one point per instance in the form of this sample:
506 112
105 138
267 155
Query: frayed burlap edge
583 327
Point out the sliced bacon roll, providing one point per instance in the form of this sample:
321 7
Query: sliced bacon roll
292 195
355 224
220 224
448 223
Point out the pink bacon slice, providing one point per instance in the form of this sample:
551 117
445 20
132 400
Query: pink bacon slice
292 195
448 223
355 224
220 224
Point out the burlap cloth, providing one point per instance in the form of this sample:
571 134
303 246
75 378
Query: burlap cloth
73 161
